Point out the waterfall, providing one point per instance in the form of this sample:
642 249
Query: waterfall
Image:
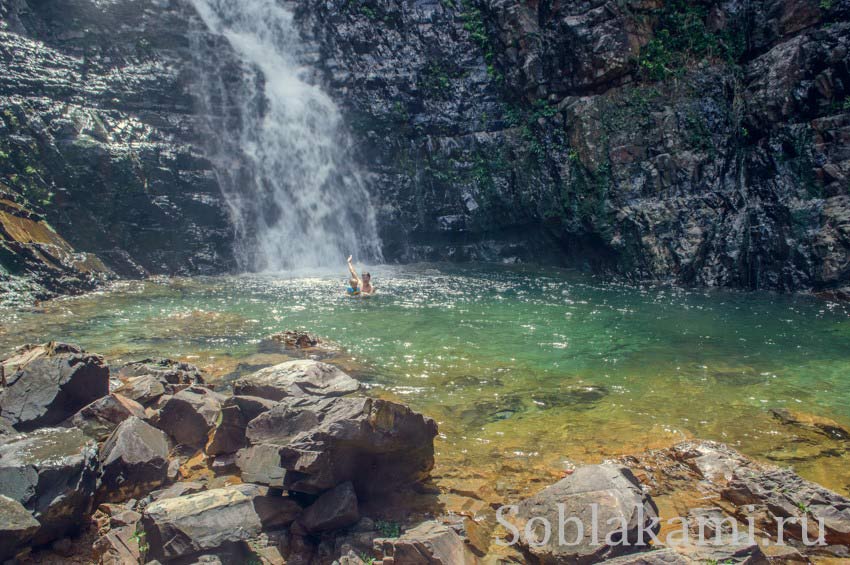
277 142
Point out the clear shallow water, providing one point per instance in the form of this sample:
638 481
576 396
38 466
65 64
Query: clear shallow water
525 370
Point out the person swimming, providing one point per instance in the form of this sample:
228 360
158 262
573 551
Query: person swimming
359 286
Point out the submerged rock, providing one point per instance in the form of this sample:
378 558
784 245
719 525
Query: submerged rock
608 495
296 339
52 473
376 444
47 384
820 424
303 377
190 415
133 461
101 417
213 519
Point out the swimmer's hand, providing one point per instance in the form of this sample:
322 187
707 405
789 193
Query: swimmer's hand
350 257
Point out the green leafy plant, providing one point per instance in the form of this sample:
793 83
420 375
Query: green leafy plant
683 37
473 23
388 529
140 538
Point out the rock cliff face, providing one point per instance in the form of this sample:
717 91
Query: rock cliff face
706 142
98 133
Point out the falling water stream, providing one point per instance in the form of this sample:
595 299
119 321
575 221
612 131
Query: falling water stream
277 140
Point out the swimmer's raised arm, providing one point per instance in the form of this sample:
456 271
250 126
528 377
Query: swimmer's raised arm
352 271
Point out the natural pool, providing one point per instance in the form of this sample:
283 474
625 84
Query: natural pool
525 369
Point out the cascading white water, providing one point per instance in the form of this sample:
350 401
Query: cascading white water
299 202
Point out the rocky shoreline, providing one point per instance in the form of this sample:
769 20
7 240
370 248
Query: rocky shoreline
293 463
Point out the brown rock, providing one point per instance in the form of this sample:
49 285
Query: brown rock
133 461
101 417
377 445
190 415
228 434
429 543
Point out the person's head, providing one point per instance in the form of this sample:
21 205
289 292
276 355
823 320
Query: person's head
352 282
367 278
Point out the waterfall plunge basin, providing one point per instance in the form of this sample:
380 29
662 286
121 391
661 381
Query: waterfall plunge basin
526 370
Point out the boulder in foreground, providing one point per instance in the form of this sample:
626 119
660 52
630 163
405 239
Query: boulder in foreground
47 384
622 510
134 461
52 473
214 519
190 415
166 370
101 417
303 377
378 445
17 527
429 543
335 509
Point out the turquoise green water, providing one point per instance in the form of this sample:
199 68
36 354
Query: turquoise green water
525 370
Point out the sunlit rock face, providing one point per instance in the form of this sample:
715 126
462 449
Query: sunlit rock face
98 132
705 143
701 142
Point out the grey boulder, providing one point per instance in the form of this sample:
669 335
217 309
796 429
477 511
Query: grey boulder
47 384
261 464
335 509
303 377
228 433
608 495
101 417
213 520
166 370
52 473
378 445
144 389
133 461
190 415
429 543
17 527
